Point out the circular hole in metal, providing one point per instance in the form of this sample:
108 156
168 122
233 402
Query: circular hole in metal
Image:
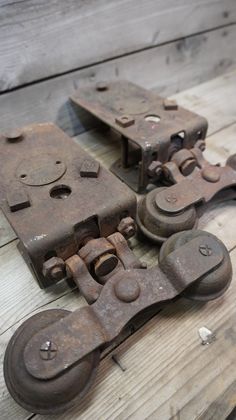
60 192
23 176
124 118
58 162
152 118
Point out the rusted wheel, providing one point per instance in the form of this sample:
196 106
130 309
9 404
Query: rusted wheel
157 225
232 161
215 283
45 396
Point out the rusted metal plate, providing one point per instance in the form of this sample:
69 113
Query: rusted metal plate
54 195
149 126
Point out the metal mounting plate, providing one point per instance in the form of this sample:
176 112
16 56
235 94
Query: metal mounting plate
54 194
147 123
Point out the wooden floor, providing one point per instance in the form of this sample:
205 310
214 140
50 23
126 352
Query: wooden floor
167 372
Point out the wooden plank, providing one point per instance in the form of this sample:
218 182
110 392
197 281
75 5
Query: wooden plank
6 232
20 293
43 39
169 68
202 99
169 373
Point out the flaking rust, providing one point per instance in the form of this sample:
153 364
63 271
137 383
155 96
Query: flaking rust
162 144
57 198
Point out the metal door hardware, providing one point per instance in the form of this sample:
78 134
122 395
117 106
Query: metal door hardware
164 211
60 201
160 142
51 360
153 130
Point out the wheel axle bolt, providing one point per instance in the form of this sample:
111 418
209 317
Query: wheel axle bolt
48 350
205 250
171 198
211 173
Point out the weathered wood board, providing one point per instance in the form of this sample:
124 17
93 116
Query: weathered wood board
43 39
169 68
169 374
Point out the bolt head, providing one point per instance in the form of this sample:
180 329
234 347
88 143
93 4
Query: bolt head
170 105
154 168
127 227
125 121
54 268
171 198
211 173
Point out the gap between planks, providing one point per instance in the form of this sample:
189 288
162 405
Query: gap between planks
181 64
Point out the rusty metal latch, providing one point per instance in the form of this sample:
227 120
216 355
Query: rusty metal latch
162 144
153 129
60 201
73 219
51 360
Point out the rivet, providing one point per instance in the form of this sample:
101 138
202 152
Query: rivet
211 174
127 289
171 198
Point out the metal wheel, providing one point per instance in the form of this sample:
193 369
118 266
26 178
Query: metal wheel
45 396
157 225
212 285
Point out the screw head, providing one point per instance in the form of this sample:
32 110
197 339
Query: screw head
205 250
211 173
171 198
48 350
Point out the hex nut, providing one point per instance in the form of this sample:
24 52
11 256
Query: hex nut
154 169
127 227
54 268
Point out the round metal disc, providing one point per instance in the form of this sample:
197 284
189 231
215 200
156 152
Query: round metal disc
40 170
213 284
45 396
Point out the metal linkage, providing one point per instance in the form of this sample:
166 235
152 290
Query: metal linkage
60 201
51 360
165 211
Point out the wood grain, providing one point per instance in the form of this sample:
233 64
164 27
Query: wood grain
169 68
169 374
42 39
